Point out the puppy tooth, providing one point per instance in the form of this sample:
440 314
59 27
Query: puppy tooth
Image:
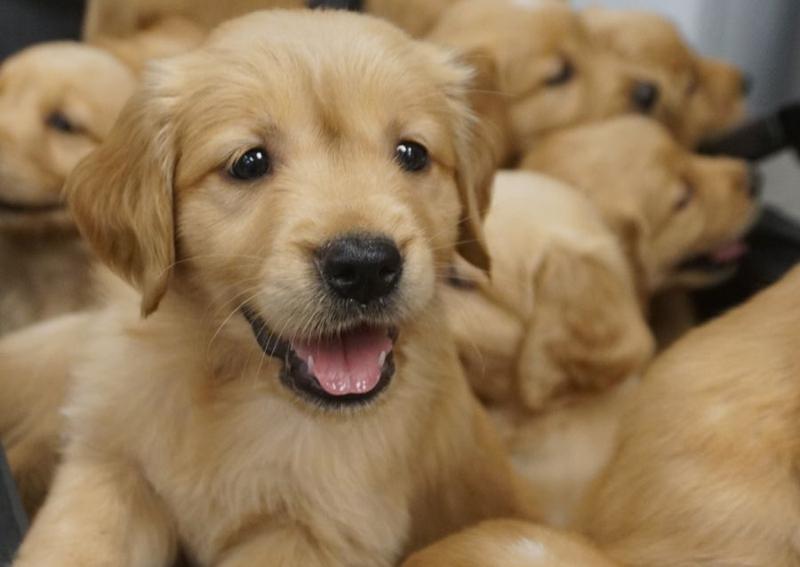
382 358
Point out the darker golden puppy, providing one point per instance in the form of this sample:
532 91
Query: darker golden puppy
679 215
549 73
282 200
696 97
706 468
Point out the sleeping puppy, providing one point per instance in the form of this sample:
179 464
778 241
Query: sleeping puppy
284 201
547 338
509 543
549 73
696 97
57 102
680 216
706 469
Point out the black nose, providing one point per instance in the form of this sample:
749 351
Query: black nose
361 268
755 181
645 96
747 84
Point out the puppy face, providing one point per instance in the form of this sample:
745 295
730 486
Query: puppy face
57 101
680 215
549 72
696 97
310 184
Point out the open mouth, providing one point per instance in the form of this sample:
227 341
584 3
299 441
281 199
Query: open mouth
27 208
723 258
350 368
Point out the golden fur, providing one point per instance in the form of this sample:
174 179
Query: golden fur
508 543
706 470
666 204
698 96
44 267
181 428
546 339
549 73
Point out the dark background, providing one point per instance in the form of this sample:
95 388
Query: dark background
23 22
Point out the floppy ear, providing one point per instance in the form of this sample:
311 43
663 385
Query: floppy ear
470 90
587 330
121 196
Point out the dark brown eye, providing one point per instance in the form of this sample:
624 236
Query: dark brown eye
686 196
57 121
254 163
412 156
563 75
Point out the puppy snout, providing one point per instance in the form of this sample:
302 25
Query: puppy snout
755 182
362 268
645 96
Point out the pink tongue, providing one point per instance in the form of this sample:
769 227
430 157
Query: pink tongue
730 252
350 364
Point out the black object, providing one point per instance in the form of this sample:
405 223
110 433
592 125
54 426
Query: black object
760 138
353 5
13 522
23 22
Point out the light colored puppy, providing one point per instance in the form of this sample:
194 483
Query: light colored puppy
57 102
284 200
549 73
507 543
680 216
697 97
549 336
706 469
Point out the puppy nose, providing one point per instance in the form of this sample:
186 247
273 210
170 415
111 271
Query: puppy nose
755 181
361 268
747 84
645 96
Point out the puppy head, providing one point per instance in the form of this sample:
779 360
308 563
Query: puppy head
695 97
549 72
679 215
310 169
57 102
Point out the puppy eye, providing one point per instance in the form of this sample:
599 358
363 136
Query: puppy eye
254 163
57 121
687 194
564 74
412 156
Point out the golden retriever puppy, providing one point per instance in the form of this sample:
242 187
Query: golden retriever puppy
549 72
706 469
57 102
696 97
509 543
546 339
284 201
679 215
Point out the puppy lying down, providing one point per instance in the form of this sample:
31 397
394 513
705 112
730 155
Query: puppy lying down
706 468
547 339
284 202
58 100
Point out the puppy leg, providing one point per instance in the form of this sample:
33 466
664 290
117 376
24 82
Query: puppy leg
286 547
99 514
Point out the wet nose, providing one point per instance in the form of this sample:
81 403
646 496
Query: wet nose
755 182
645 96
747 84
362 268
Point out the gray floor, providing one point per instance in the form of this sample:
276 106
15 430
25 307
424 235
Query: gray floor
782 183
